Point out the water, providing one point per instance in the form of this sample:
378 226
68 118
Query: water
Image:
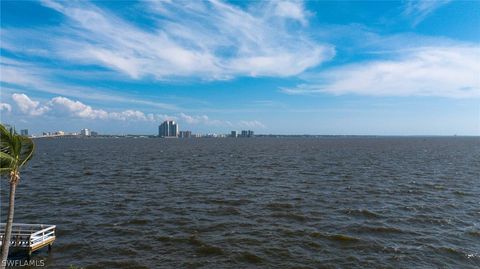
256 203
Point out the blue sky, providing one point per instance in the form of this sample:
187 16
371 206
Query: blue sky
283 67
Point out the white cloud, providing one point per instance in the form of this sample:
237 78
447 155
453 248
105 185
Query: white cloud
203 39
418 10
25 75
449 71
16 72
28 106
291 9
64 107
251 124
205 120
5 107
130 115
200 119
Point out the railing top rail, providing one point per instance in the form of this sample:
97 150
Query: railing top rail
40 234
23 230
28 225
19 234
44 230
28 229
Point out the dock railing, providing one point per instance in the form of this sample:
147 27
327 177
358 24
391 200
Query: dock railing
29 237
42 235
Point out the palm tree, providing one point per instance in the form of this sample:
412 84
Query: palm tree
15 152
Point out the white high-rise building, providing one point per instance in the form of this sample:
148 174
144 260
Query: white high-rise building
85 132
168 129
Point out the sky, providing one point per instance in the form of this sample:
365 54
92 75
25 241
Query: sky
280 67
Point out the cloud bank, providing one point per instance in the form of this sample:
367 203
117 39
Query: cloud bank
28 106
64 107
205 39
29 76
446 71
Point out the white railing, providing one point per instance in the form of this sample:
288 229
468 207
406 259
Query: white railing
28 235
42 235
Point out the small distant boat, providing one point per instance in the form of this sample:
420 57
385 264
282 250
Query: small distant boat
29 237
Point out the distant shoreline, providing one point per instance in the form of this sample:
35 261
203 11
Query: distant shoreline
256 136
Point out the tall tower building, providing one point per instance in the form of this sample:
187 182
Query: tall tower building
173 129
168 129
85 132
163 129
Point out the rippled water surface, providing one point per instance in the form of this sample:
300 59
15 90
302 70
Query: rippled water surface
256 203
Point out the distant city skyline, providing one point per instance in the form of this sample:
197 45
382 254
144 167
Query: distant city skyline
275 67
167 128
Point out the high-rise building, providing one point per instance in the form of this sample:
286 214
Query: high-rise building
247 133
85 132
24 132
234 134
185 134
168 129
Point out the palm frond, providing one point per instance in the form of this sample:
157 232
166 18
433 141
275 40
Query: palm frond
6 139
6 156
15 150
5 170
27 149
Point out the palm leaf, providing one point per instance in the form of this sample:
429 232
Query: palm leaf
27 149
6 140
15 150
5 170
6 156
